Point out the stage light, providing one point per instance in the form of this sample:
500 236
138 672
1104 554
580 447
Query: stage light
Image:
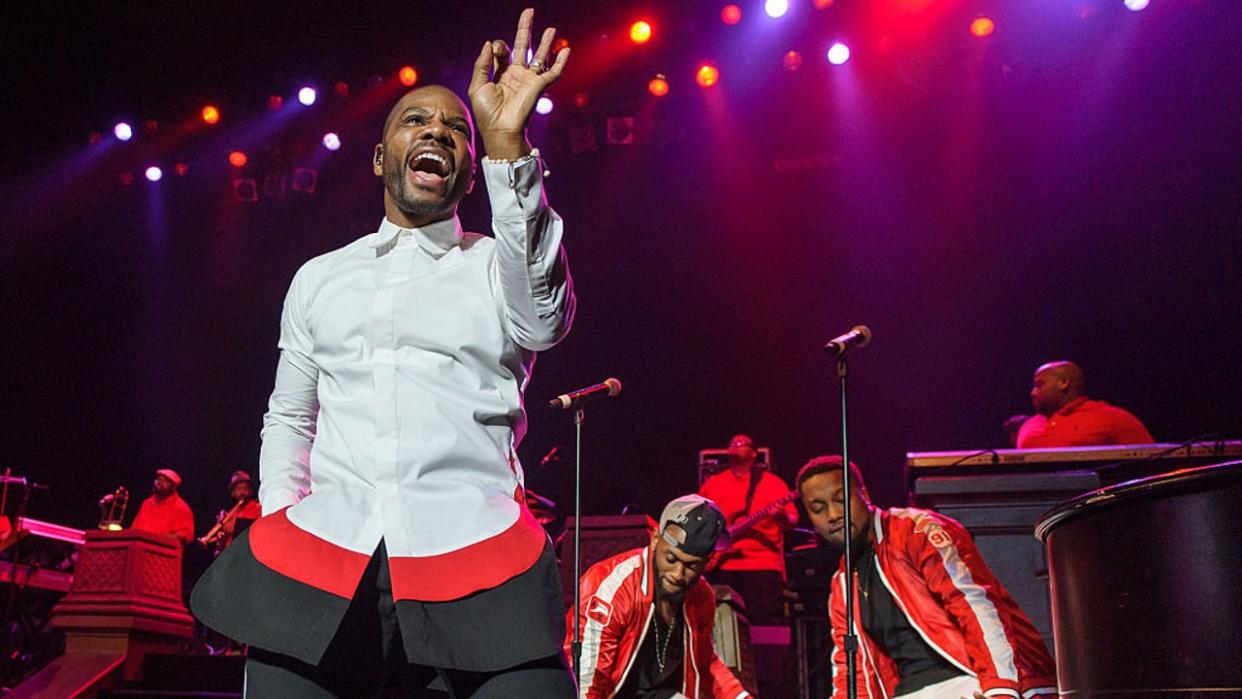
95 137
982 26
1136 5
640 32
707 75
776 8
792 61
544 105
658 86
560 44
581 99
275 102
211 115
407 75
341 89
181 169
154 174
307 96
123 131
331 141
823 4
237 159
838 54
731 14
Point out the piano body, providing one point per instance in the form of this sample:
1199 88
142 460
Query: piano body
999 495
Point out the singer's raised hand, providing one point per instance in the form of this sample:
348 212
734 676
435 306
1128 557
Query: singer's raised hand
504 88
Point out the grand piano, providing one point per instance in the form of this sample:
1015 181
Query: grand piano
1000 494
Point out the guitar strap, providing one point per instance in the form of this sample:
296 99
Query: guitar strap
755 475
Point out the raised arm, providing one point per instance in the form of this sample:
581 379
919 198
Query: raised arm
532 271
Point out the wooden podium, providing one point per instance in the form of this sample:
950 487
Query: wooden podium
125 602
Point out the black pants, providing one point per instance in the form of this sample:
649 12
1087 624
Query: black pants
367 657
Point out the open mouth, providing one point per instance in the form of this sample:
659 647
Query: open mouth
430 168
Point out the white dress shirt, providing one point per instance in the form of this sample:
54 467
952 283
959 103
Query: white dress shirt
397 408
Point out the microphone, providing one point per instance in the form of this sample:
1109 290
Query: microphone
609 388
859 336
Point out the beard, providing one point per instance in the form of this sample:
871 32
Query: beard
399 190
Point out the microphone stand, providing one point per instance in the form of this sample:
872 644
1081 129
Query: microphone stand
576 645
851 636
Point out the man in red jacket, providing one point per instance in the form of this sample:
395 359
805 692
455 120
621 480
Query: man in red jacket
647 615
932 620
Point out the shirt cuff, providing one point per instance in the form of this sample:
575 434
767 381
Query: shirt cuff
515 188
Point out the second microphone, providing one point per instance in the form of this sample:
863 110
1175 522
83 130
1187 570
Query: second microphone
610 387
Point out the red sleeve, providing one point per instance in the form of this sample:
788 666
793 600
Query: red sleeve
600 635
955 572
183 527
1130 430
724 684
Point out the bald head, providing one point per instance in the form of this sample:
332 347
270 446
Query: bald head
1055 384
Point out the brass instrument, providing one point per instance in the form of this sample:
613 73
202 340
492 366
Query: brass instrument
112 510
218 536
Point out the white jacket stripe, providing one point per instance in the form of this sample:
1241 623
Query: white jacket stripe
985 612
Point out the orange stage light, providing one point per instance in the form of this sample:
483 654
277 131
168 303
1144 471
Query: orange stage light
237 159
211 115
707 75
658 86
731 14
408 76
982 26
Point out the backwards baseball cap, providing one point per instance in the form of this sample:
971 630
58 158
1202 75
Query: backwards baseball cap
701 525
170 475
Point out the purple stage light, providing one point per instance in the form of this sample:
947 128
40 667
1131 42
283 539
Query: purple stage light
544 105
776 8
123 131
307 96
154 174
838 54
331 141
1136 5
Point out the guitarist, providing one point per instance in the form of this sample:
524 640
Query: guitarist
754 565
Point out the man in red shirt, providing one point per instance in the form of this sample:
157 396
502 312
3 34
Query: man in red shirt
165 512
1067 418
754 565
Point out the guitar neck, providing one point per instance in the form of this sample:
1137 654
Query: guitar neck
769 510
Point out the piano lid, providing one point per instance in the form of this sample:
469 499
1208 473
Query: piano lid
1054 455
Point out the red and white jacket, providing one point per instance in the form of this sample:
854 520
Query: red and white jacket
618 600
932 568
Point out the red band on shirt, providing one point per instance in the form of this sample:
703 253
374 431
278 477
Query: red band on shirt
480 566
294 553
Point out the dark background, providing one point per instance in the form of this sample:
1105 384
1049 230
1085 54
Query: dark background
1069 187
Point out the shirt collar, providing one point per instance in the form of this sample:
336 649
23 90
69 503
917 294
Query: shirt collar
436 238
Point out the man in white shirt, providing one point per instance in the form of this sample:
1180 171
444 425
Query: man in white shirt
395 545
